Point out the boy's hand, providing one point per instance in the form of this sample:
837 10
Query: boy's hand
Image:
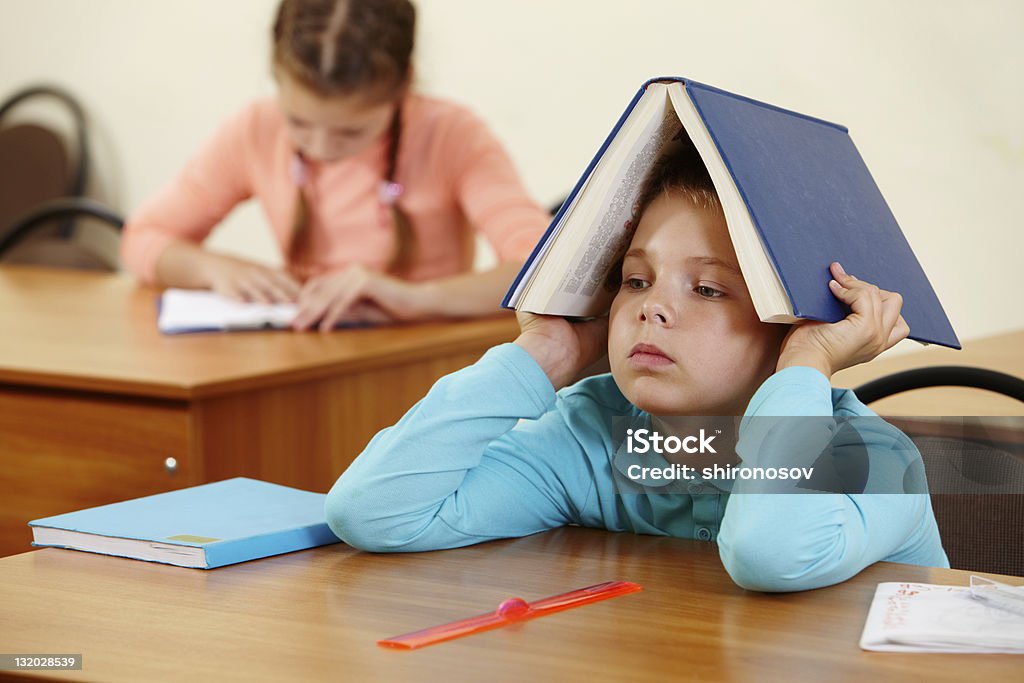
873 326
562 348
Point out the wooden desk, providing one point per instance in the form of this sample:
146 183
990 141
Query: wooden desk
1004 352
316 615
94 400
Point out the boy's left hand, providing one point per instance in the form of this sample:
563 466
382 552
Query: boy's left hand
328 299
873 326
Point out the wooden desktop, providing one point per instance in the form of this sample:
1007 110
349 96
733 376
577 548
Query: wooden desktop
97 406
317 614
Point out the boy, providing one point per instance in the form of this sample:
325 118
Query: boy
492 451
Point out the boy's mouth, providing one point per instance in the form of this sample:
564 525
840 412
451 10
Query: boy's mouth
649 355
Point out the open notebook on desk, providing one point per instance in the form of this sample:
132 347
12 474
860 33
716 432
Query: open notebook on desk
987 617
183 311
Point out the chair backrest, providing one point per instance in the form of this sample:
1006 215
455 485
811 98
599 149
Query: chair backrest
977 493
42 193
34 168
976 476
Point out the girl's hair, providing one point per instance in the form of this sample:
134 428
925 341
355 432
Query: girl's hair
344 47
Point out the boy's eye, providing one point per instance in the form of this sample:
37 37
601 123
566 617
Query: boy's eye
635 283
707 292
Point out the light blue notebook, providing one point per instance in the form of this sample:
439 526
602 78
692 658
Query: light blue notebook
205 526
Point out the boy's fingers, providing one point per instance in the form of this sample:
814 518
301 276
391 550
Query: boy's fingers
898 333
840 274
861 297
892 305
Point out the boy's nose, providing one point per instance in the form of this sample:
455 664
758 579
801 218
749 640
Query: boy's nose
655 312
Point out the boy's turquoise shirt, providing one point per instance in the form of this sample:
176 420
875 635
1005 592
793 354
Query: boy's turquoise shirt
493 452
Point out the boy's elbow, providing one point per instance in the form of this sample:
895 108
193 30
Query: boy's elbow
357 523
365 520
752 570
757 562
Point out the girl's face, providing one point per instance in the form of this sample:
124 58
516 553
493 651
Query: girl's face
683 337
329 129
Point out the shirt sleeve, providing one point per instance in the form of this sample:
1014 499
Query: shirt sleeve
793 541
210 185
457 470
490 191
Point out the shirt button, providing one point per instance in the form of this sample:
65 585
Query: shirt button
695 488
704 533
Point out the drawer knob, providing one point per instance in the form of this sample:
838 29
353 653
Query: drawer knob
171 465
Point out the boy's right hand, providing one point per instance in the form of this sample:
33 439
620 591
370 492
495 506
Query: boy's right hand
562 348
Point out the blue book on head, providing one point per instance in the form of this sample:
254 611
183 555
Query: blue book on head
796 196
205 526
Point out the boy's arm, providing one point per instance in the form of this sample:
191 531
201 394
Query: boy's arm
454 471
789 542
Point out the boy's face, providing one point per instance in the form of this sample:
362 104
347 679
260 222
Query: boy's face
683 336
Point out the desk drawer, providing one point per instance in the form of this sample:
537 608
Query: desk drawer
63 451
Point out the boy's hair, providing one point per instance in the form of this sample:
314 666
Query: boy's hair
678 170
344 47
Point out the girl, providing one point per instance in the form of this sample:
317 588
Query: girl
493 451
369 188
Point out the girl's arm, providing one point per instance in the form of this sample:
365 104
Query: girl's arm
161 241
326 300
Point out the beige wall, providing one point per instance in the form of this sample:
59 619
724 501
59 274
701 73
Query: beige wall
930 90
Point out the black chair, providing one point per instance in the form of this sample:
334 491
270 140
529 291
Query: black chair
981 531
45 217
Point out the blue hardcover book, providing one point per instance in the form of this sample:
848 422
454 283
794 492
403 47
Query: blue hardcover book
205 526
796 196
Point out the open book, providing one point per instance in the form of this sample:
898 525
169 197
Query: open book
796 196
924 617
184 311
187 310
205 526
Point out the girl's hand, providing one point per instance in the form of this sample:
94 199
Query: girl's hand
355 295
562 348
873 326
247 281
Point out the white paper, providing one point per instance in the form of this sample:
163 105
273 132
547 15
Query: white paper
185 310
921 617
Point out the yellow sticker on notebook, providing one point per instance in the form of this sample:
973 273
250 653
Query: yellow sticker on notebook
185 538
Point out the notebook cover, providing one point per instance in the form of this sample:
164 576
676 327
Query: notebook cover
249 519
814 201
